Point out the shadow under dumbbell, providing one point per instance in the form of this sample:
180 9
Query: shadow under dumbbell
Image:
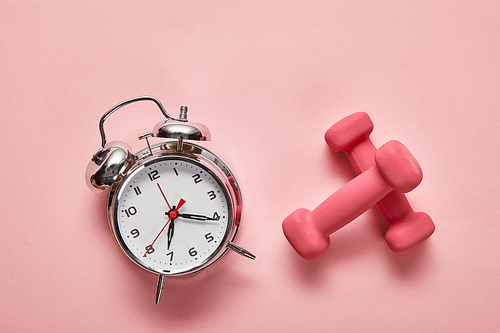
339 165
364 237
348 247
412 263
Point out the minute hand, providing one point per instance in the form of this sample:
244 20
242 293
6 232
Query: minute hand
199 217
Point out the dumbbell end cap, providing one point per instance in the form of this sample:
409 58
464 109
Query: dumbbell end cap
349 131
404 236
303 236
398 166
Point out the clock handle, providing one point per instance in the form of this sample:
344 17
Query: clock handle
124 103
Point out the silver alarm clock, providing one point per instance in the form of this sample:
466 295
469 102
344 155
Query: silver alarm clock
174 207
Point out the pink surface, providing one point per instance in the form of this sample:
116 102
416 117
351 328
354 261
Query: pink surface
268 79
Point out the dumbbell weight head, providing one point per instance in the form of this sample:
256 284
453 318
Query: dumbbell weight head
398 166
302 234
349 132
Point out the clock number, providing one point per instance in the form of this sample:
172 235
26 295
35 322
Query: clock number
192 252
153 175
171 254
176 173
209 237
197 178
130 211
137 190
216 217
135 233
211 195
150 249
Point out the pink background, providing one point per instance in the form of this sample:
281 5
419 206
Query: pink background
268 78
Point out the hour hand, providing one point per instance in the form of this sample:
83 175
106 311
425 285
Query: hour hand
200 217
170 233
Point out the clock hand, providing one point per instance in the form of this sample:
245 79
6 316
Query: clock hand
199 217
170 233
172 216
150 246
164 197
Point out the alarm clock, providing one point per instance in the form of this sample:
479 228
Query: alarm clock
174 207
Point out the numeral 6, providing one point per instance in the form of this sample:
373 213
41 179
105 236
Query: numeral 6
192 252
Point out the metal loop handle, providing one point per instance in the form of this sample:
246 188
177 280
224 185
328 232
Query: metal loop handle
126 102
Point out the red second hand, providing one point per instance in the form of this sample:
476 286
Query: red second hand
164 197
179 205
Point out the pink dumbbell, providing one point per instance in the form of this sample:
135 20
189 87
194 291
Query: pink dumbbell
407 228
395 169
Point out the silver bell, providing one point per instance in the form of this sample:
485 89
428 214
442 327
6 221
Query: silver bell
109 165
182 129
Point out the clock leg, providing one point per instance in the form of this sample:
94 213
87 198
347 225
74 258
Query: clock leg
240 250
159 288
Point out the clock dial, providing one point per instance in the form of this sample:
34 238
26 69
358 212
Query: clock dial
172 216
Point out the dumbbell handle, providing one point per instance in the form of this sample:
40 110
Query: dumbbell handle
350 201
395 206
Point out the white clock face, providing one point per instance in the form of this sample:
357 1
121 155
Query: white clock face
172 216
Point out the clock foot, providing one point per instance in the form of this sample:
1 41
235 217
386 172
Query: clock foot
240 250
159 288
